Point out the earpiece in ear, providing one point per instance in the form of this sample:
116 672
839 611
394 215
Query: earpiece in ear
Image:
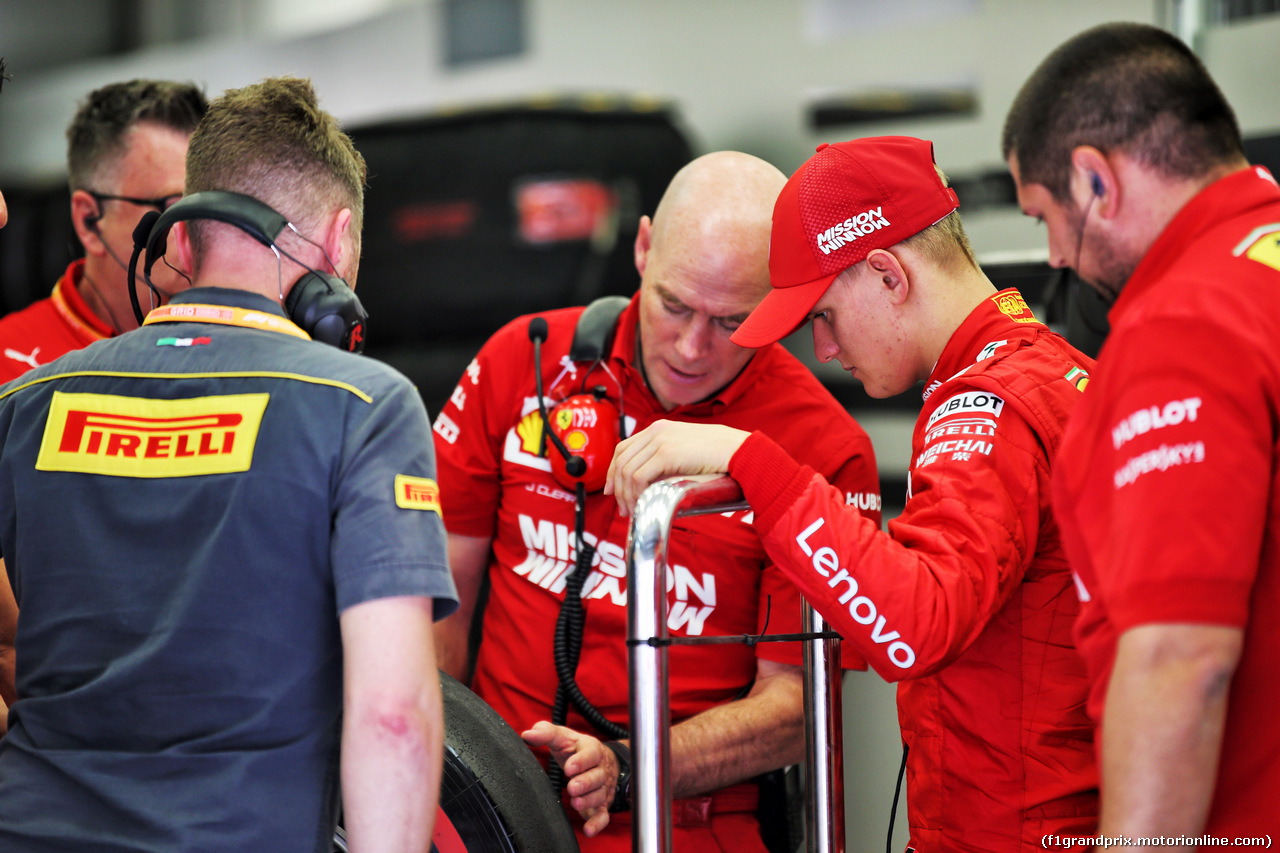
1097 184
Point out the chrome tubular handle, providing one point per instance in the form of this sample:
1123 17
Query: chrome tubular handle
647 546
824 740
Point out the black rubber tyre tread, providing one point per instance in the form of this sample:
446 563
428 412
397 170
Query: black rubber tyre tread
467 806
512 783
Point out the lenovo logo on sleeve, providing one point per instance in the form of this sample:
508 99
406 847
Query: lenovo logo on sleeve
861 608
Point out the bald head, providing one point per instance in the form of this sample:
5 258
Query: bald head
717 213
704 265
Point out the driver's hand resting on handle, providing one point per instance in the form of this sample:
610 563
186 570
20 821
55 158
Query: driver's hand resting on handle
667 449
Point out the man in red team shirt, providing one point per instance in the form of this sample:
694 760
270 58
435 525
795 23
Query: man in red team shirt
126 153
738 711
1168 485
967 600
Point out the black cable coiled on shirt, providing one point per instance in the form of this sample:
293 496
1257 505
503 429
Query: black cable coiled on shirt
567 646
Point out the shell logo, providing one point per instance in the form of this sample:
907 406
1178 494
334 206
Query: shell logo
530 431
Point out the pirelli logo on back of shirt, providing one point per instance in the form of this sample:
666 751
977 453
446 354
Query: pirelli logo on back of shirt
141 437
417 493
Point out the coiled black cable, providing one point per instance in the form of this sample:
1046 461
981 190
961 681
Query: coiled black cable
567 646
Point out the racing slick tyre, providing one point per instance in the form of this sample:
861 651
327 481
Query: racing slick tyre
494 796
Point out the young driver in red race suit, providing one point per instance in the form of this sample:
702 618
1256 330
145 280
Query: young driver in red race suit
967 600
1167 489
737 711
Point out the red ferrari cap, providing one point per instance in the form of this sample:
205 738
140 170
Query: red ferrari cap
848 199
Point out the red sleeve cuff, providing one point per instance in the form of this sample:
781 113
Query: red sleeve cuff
771 480
1206 602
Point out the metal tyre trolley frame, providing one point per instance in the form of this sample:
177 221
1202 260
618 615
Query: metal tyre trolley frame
647 643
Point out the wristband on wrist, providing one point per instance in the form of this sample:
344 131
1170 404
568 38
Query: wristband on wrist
622 794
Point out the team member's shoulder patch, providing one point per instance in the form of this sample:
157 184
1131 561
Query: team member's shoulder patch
961 427
969 402
989 350
1262 245
1078 377
417 493
1014 307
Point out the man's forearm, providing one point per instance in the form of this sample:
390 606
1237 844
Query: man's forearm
1162 729
451 637
391 779
468 561
8 661
392 726
717 748
738 740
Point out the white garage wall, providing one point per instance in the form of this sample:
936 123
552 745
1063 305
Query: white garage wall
740 71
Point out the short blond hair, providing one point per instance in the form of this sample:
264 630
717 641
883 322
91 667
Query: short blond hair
272 141
945 242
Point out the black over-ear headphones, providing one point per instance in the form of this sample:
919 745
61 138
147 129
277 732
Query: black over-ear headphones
322 304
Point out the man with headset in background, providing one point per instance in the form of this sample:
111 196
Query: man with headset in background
126 149
511 516
967 601
245 606
1168 489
